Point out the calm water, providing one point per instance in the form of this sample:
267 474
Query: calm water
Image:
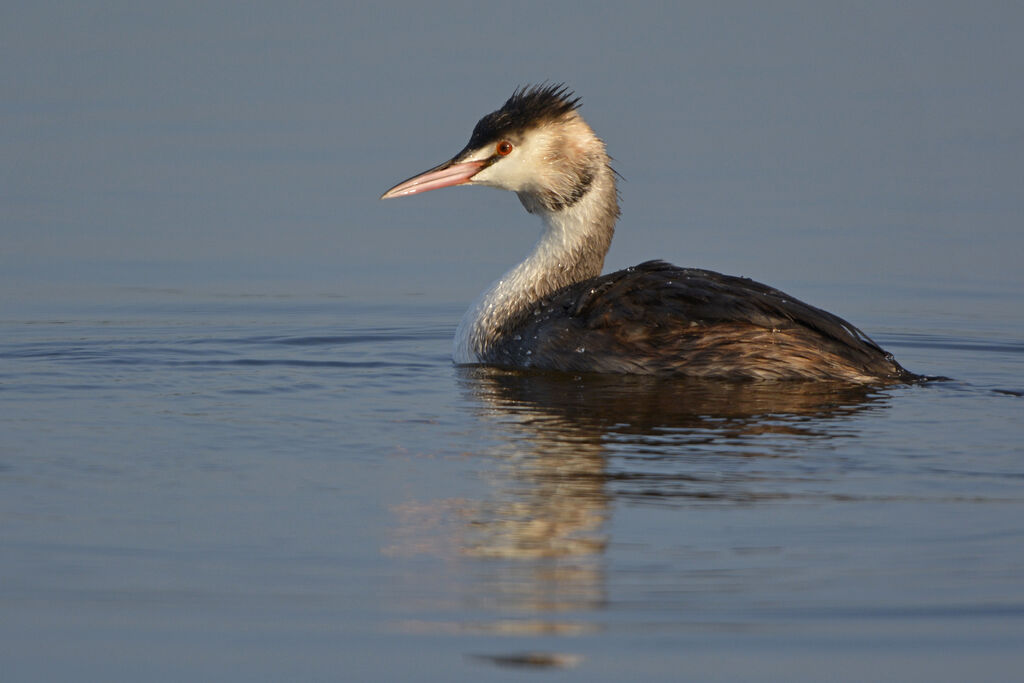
197 485
213 466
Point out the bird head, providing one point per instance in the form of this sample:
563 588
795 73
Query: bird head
536 145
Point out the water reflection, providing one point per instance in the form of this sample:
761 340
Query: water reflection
565 448
593 405
571 441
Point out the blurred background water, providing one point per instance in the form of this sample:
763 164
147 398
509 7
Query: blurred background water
232 443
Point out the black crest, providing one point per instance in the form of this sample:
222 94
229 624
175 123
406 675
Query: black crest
528 107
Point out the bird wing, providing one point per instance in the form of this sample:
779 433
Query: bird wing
659 318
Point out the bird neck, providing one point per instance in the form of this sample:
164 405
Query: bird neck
571 248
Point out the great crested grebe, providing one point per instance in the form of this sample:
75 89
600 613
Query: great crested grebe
555 311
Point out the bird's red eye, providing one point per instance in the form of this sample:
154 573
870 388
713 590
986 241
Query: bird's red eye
504 148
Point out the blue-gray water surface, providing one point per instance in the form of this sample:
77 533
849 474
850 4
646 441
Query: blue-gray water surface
204 485
233 446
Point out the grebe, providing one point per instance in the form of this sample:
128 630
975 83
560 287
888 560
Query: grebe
555 311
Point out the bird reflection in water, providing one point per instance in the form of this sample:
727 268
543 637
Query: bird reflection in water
569 446
601 436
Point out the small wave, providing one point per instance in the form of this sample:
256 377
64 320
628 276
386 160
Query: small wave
921 341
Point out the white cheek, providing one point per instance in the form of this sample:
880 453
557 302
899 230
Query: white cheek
520 170
511 173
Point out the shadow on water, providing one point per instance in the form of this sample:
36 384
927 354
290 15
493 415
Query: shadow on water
569 447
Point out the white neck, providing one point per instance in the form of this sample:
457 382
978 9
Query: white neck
571 248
